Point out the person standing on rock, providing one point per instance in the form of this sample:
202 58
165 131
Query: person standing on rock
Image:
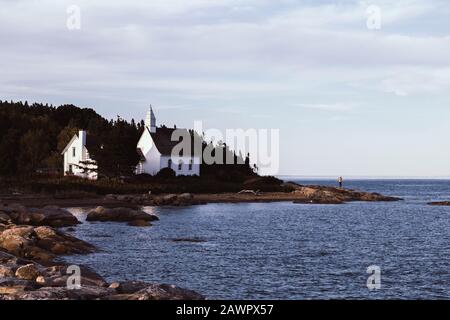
341 182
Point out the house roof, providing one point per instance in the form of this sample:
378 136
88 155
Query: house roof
75 136
163 140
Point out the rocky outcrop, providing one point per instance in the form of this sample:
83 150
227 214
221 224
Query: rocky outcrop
441 203
32 281
157 292
120 215
47 216
330 195
24 278
184 199
40 243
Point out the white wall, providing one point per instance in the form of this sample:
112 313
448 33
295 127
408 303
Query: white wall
184 167
74 161
152 164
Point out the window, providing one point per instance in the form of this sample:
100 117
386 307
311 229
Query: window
70 169
180 165
73 151
190 165
169 163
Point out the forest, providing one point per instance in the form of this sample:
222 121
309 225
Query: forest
33 136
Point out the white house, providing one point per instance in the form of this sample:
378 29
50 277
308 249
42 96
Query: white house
76 157
155 148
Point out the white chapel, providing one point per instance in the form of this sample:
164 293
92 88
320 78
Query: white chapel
155 149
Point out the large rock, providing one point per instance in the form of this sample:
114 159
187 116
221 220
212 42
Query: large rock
128 287
159 292
50 216
330 195
27 272
184 199
441 203
119 215
40 243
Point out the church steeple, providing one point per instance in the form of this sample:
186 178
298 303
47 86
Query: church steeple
150 120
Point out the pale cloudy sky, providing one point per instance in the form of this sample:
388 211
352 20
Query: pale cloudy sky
348 100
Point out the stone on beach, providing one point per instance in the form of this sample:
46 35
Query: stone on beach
40 243
441 203
27 272
184 199
330 195
50 216
119 215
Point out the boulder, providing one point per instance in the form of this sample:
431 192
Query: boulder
160 292
27 272
119 215
52 216
40 243
49 215
184 199
13 243
128 287
442 203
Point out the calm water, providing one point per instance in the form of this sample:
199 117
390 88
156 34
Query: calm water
288 251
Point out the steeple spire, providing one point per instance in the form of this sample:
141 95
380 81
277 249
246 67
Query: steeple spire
150 120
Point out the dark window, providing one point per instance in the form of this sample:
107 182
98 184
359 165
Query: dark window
73 152
70 169
180 165
190 165
169 163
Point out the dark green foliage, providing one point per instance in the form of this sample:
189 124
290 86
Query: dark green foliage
166 173
33 136
140 184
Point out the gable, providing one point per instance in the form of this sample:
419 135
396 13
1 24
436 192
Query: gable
74 138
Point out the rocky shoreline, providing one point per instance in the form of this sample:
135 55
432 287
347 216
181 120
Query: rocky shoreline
299 194
31 243
30 270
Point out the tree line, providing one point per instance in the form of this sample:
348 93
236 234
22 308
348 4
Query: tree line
33 136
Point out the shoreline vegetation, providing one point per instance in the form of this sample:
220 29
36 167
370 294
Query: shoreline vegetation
177 191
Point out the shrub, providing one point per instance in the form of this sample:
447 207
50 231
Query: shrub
166 173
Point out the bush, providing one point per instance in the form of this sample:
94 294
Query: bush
166 173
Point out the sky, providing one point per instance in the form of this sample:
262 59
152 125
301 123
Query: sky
349 97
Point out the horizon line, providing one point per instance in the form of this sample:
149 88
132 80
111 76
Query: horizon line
357 177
